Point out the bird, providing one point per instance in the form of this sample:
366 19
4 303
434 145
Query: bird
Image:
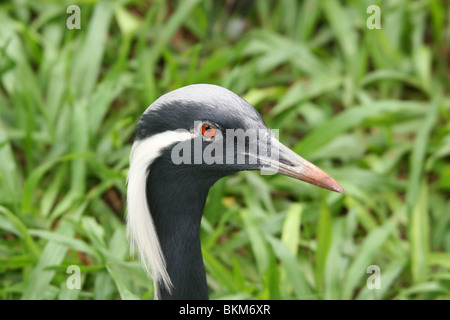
185 141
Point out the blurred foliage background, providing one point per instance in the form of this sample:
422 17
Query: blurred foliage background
369 106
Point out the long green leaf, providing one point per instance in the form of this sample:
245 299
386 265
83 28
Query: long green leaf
324 236
125 293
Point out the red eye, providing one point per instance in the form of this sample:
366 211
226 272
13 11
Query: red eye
208 130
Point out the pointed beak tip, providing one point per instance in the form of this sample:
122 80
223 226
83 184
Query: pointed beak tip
332 185
339 189
327 182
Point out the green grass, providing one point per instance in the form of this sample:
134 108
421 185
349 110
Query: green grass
370 107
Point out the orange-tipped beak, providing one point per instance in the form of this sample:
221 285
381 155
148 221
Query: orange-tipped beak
292 165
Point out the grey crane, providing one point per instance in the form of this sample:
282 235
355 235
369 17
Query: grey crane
185 141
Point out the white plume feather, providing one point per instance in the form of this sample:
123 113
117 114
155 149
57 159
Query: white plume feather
140 227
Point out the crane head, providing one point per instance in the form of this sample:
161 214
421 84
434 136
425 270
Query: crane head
207 132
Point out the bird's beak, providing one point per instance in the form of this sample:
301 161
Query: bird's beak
286 162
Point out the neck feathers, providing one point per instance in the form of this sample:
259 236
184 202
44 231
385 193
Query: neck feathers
176 202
